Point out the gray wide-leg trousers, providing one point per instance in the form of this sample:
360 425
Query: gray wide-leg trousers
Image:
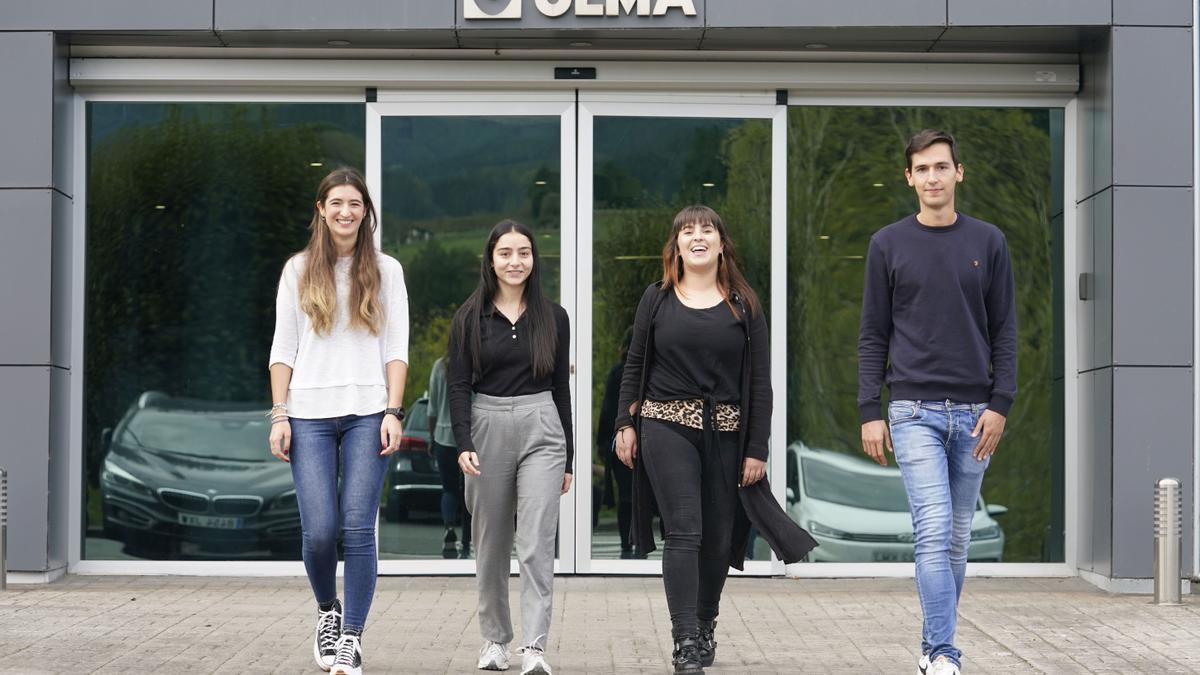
522 456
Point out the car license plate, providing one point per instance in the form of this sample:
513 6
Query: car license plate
215 522
893 556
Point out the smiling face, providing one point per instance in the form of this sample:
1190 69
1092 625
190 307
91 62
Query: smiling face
699 244
934 175
512 259
342 212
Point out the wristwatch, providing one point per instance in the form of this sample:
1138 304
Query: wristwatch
398 412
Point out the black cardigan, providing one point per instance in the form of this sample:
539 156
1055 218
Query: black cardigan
758 506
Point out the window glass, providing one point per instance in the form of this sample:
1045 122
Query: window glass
846 181
192 210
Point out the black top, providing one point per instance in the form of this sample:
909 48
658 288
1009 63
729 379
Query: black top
753 382
938 316
696 348
505 370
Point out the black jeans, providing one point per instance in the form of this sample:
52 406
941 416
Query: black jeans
454 507
695 484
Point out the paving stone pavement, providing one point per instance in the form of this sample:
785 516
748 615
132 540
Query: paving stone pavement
601 625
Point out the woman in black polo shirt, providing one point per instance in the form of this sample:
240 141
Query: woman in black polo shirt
510 350
697 377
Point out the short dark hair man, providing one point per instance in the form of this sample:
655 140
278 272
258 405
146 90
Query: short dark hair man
939 325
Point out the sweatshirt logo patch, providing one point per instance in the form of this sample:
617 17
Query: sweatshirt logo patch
974 263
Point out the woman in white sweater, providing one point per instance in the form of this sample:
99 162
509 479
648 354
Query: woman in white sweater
338 363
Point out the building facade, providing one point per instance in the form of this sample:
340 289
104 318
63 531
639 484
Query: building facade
160 159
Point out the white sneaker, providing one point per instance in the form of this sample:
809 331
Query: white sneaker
349 656
533 661
493 656
325 637
923 664
943 666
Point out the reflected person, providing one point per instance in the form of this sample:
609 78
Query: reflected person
698 379
614 470
939 327
453 505
338 363
510 351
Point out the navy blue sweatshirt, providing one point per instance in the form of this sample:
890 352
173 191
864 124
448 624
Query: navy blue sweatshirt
938 316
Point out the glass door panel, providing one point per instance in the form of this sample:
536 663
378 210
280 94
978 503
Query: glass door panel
644 168
445 174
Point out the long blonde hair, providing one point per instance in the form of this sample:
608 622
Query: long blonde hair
318 289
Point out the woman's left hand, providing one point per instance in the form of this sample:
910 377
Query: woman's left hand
753 471
389 435
567 478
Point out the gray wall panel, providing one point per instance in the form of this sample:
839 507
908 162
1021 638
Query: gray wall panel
1102 268
63 128
1152 12
59 474
114 15
1152 109
1152 276
25 420
25 294
1030 13
755 13
26 136
1099 459
1085 262
349 14
1095 134
61 276
1152 438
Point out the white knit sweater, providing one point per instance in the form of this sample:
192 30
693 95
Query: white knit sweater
342 373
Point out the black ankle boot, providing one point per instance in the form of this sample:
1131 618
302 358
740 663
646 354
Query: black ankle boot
707 643
686 656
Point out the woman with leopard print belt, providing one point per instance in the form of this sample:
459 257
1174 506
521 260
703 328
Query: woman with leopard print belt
697 377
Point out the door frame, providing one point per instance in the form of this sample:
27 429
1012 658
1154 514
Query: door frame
742 105
492 104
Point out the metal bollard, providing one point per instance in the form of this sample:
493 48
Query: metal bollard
3 529
1168 534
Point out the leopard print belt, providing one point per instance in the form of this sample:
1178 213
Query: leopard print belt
690 413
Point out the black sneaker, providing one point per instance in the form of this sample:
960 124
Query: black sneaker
349 656
325 637
686 657
707 643
449 550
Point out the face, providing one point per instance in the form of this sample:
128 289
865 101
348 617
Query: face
699 244
343 212
934 175
512 259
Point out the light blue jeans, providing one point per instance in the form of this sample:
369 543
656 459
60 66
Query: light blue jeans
933 445
321 449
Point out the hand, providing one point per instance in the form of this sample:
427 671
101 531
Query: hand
627 446
753 471
469 463
990 427
390 432
566 486
280 440
876 437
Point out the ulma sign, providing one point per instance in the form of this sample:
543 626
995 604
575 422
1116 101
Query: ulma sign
511 9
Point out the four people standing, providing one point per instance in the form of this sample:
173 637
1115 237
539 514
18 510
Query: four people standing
692 417
939 327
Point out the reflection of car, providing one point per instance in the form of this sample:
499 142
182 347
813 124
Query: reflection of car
413 483
186 470
858 510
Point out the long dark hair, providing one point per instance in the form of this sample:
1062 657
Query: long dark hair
729 277
465 338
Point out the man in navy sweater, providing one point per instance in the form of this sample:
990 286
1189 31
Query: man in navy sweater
939 327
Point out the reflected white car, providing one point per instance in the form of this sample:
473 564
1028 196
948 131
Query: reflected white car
858 510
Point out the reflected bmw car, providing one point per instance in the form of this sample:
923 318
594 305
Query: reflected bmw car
858 510
186 470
